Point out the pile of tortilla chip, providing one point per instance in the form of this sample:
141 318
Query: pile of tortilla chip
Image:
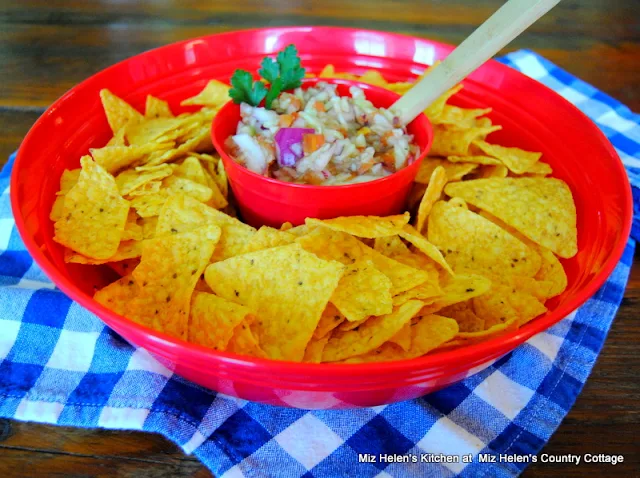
476 257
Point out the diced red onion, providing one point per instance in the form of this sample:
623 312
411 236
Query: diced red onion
289 145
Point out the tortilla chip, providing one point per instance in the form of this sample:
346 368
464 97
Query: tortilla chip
94 214
182 213
213 320
370 335
244 342
149 205
313 352
436 108
331 318
462 118
464 315
516 159
148 225
373 77
115 158
119 113
118 295
122 268
390 246
551 270
431 195
288 306
456 142
126 250
455 171
191 168
418 240
214 94
339 246
369 227
132 231
540 208
156 108
403 338
130 179
471 243
268 237
166 278
363 291
497 171
427 333
459 288
539 169
503 305
476 159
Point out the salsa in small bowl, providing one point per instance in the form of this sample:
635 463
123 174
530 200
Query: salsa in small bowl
326 149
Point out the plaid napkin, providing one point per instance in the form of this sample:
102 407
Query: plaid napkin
59 364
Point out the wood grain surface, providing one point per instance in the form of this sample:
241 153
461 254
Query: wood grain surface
47 46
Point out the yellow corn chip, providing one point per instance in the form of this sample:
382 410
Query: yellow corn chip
456 142
414 237
431 195
368 227
119 113
331 318
476 159
462 118
551 270
464 315
114 158
94 214
346 325
130 179
436 108
459 288
177 185
288 306
213 320
504 305
268 237
370 335
339 246
403 338
471 243
118 138
192 169
313 352
362 291
539 169
132 231
166 277
124 267
373 77
427 333
390 246
540 208
148 225
497 171
126 250
157 108
118 295
455 171
244 342
516 159
149 205
182 213
214 94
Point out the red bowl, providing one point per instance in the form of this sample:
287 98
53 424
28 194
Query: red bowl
533 117
267 201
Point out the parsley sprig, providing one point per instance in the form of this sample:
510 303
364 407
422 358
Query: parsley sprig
281 75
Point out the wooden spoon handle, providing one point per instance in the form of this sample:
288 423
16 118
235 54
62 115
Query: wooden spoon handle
504 25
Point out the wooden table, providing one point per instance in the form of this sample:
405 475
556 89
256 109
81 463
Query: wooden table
47 46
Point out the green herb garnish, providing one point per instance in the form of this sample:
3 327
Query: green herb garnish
281 75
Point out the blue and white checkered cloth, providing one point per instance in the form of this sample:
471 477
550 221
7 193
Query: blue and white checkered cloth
59 364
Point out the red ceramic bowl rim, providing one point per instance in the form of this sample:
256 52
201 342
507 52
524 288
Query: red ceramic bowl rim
229 162
489 348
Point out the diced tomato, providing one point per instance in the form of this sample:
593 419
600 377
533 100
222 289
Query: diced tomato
319 106
311 142
366 166
389 160
311 177
385 137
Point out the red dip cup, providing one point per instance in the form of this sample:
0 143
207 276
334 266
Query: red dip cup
271 202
